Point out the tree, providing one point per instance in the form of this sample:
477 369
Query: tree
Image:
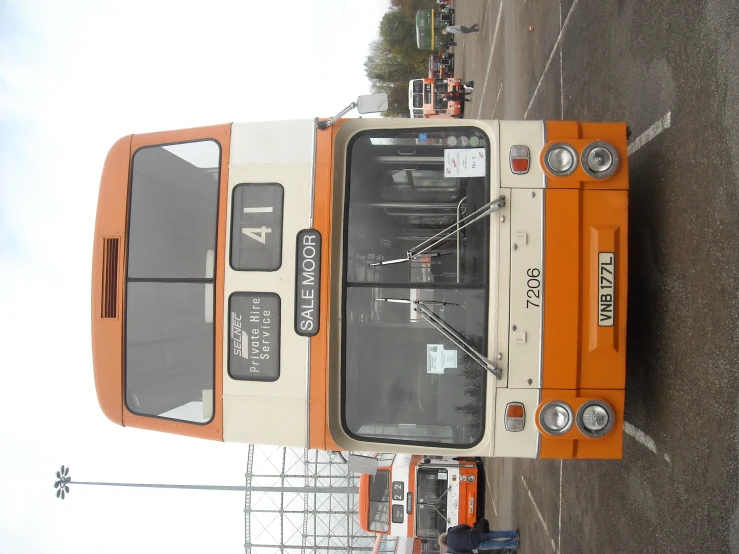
393 58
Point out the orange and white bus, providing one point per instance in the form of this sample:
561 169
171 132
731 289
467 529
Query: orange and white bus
419 496
455 287
426 98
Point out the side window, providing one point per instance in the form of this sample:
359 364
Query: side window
173 210
170 293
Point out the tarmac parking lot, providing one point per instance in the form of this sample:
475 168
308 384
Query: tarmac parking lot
671 70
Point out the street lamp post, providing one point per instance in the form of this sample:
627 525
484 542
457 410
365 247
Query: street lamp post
64 480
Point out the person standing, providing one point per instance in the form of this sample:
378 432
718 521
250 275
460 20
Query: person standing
456 95
460 29
463 539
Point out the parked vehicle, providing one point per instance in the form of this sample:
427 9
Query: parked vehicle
429 26
441 65
426 98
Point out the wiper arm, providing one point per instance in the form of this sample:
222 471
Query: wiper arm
454 228
436 503
438 512
448 331
457 339
409 259
445 234
404 301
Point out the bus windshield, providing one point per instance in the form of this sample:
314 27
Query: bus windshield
379 501
403 379
431 504
169 333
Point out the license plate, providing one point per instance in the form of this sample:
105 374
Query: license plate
606 293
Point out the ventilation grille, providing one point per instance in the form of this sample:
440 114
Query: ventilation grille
109 304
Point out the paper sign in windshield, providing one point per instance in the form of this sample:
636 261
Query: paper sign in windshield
438 359
464 162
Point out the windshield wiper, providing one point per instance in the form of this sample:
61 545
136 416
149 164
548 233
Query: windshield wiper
437 503
444 235
448 331
409 259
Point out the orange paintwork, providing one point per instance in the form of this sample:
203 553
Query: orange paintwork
577 352
578 135
363 504
468 490
412 489
107 334
583 217
319 436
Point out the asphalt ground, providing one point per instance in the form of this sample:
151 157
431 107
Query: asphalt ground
671 70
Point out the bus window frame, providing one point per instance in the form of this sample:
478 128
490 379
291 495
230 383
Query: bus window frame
387 502
393 133
212 281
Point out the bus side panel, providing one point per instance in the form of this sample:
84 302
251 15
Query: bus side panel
320 438
562 259
580 225
604 229
525 289
468 496
107 332
271 411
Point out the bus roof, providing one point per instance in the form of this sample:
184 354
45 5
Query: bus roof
107 341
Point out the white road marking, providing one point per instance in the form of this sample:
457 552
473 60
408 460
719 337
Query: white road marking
538 513
491 494
650 133
642 438
492 115
490 59
559 538
549 61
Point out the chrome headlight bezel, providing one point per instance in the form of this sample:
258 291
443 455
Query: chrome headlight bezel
556 404
600 174
595 434
560 146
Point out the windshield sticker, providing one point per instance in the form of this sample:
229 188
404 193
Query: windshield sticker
464 162
442 476
438 359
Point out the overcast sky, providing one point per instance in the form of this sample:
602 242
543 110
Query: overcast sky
75 75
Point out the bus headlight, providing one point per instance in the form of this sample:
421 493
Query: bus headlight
471 479
595 418
463 478
556 418
600 160
561 159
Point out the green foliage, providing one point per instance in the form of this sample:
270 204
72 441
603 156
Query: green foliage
393 59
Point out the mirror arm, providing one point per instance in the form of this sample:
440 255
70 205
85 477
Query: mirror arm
323 125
